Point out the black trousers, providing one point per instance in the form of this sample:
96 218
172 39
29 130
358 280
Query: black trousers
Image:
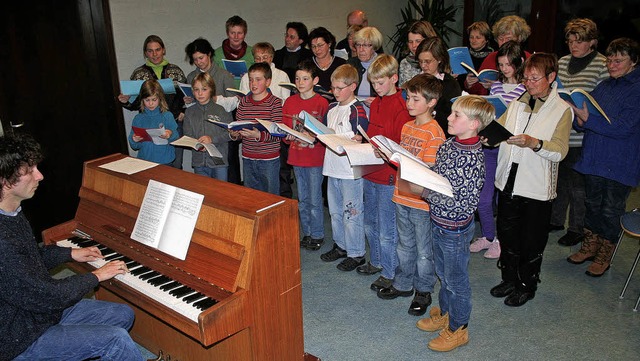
522 227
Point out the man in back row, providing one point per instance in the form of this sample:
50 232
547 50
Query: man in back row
43 317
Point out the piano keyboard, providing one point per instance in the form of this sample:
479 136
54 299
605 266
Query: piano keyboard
163 289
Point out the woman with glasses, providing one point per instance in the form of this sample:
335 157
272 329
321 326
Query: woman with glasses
322 44
433 59
583 68
526 177
367 42
610 160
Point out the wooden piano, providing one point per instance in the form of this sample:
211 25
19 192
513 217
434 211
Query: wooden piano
244 254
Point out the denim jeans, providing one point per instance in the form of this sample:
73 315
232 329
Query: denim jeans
415 250
451 253
380 227
571 193
88 329
606 201
220 173
488 194
310 207
346 207
263 175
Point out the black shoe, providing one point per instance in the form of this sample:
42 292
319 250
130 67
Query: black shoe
503 289
553 227
368 269
334 254
381 283
314 244
304 243
392 292
420 302
571 239
518 298
350 263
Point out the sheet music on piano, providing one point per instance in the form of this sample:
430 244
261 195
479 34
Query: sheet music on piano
167 218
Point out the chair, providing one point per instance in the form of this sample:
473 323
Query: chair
630 223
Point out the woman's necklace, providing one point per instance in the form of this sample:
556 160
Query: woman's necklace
323 68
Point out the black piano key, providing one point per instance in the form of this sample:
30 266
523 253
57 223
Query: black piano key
204 304
75 239
146 276
141 270
107 251
87 243
157 281
113 257
126 259
193 297
170 286
182 291
101 247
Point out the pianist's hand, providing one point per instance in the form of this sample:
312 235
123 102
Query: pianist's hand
110 270
86 254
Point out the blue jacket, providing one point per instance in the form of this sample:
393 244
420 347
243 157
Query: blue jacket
163 154
612 151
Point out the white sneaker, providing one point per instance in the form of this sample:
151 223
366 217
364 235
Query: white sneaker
494 250
479 244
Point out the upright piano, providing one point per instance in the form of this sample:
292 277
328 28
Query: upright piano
242 268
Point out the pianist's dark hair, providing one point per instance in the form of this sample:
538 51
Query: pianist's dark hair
17 152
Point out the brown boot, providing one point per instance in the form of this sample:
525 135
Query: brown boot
587 252
602 260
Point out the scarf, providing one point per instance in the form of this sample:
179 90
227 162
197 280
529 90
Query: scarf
157 69
233 54
577 65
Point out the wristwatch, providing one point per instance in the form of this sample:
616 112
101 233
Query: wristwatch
539 146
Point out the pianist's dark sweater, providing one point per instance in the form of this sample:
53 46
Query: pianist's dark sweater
31 300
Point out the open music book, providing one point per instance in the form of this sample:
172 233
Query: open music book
410 168
186 141
314 125
167 218
236 67
486 75
277 130
495 133
578 97
457 56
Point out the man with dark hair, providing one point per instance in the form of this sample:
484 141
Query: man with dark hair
42 316
294 49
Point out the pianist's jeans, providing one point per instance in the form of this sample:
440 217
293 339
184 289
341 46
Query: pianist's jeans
310 207
88 329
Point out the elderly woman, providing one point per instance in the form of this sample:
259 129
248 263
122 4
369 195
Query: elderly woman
610 158
433 58
510 27
409 66
322 45
584 68
526 177
157 67
367 41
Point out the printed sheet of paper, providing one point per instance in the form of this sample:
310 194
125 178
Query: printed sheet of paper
129 165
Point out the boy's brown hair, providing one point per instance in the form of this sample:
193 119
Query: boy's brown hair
426 85
264 68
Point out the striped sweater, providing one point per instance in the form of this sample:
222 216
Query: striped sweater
586 79
270 108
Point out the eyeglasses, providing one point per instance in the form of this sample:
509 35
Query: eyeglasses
338 88
318 46
358 45
617 61
532 80
426 61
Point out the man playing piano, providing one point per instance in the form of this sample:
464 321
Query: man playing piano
42 317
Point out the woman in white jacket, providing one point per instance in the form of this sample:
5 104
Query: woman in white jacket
527 175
